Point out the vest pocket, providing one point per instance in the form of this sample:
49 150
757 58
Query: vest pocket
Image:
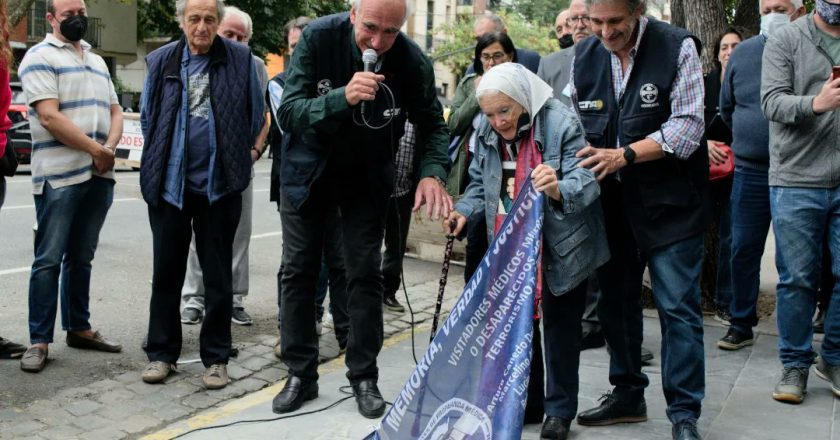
595 125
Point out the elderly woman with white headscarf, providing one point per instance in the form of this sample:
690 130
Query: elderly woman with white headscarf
528 134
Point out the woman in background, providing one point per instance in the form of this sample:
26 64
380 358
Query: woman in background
718 134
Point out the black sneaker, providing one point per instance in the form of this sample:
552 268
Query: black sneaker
10 350
734 340
830 373
685 430
646 357
613 410
191 316
793 385
722 315
393 305
241 317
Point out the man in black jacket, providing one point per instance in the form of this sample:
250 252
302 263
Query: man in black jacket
341 154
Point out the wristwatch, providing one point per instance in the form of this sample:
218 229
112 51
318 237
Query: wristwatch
629 155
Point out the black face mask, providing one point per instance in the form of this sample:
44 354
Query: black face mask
566 41
73 28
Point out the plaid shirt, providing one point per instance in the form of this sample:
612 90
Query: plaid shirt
404 162
681 133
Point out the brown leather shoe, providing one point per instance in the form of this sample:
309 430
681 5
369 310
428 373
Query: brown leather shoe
34 359
97 342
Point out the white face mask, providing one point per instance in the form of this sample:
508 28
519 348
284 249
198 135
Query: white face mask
773 21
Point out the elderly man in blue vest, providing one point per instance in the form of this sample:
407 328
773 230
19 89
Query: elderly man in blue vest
202 110
643 116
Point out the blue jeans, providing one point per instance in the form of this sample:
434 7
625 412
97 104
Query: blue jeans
69 221
802 218
675 278
750 225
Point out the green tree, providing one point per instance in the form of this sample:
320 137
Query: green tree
457 50
157 18
541 12
17 10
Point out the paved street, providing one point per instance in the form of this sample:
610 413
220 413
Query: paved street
100 395
737 405
88 395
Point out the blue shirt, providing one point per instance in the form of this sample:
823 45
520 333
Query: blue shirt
199 141
740 105
198 128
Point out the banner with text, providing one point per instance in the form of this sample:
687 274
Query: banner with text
472 382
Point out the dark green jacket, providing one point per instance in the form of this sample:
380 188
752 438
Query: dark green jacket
327 138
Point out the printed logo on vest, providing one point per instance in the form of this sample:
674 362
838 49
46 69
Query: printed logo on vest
324 87
649 94
391 112
591 105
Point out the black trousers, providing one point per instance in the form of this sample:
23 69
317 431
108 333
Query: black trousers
336 272
619 308
362 227
396 234
214 226
562 326
477 243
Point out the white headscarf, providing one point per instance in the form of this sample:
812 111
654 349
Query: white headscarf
519 83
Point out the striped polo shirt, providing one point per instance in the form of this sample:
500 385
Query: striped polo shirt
82 85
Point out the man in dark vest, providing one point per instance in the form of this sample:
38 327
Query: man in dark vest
345 124
201 113
643 117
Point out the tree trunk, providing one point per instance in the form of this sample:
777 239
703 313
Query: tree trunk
677 13
706 19
17 10
747 17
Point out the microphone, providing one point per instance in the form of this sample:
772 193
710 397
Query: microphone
369 59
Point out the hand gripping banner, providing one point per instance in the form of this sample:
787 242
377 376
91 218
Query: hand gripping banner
472 382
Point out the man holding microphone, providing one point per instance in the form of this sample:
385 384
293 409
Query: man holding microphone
341 154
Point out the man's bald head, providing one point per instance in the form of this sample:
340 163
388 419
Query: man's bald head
560 27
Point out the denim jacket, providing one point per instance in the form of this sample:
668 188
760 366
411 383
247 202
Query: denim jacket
574 241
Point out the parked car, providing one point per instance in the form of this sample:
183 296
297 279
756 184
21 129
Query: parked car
19 134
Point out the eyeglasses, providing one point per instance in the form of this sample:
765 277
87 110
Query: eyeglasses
496 57
584 20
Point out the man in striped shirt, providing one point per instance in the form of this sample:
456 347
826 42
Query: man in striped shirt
76 121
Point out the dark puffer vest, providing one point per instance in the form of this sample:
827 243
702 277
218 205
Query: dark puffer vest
230 70
666 199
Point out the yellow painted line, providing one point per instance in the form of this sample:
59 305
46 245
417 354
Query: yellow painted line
213 416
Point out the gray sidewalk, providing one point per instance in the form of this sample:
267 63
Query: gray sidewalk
737 404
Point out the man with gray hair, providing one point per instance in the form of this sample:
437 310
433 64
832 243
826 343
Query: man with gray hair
638 88
236 26
202 111
344 115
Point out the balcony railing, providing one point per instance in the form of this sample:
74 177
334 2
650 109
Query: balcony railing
38 27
